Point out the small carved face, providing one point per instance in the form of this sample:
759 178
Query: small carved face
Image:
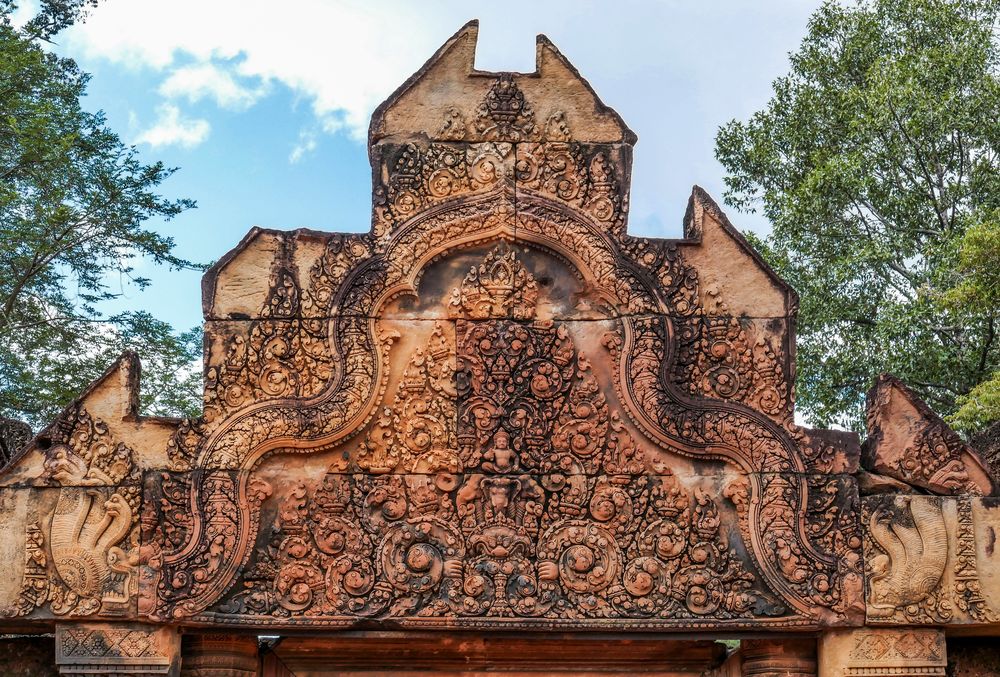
116 506
603 510
63 465
498 496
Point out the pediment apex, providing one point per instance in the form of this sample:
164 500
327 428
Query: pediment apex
112 397
447 99
720 250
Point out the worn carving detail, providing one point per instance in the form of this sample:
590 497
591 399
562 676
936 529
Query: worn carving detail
883 652
82 452
93 643
115 649
35 585
909 442
968 590
912 544
935 458
14 435
895 652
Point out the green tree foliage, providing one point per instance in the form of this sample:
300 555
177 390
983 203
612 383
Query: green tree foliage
876 155
978 290
73 203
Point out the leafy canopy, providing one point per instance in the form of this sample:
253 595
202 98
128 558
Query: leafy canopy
74 201
874 159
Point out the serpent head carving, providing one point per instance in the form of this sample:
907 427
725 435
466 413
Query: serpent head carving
86 528
914 541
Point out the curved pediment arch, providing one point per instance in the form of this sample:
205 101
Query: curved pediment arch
494 409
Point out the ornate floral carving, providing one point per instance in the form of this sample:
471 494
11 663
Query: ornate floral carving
582 176
968 590
417 433
420 177
504 114
498 547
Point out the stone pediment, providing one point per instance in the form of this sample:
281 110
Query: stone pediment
494 409
448 99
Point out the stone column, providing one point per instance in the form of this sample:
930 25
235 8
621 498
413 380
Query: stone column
881 652
219 656
133 649
778 657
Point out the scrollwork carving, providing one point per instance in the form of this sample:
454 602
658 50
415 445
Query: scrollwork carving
519 469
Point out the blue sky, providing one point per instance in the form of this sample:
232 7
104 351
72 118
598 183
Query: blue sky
264 105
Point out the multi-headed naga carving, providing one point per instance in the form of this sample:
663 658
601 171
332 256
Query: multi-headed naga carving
89 537
494 409
914 550
522 412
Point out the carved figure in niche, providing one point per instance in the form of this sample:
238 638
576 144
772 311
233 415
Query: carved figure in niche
527 405
498 287
911 534
500 457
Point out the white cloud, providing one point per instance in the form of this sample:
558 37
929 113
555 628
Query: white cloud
343 58
305 145
171 129
209 80
648 60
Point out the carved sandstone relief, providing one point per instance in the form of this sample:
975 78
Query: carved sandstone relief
929 560
81 538
116 648
563 352
878 652
494 409
909 442
495 390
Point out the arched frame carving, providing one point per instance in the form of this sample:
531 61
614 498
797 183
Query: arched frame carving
642 346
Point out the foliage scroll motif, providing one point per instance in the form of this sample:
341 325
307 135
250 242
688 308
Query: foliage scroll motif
504 468
497 547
